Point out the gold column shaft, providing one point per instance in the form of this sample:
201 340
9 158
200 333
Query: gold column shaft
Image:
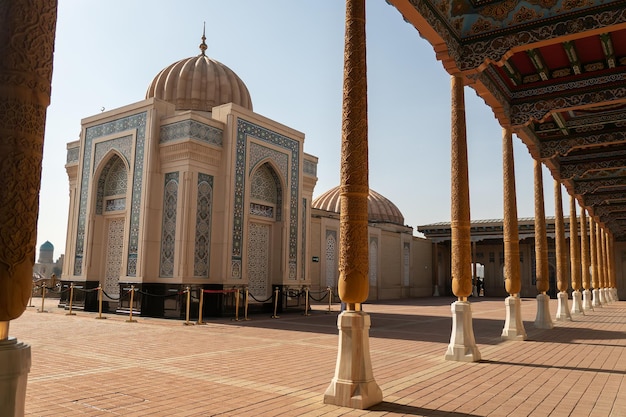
611 258
513 283
27 29
605 257
593 249
460 206
598 233
542 270
584 250
353 249
562 283
574 245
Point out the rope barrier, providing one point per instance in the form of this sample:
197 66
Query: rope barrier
86 290
174 294
322 298
112 298
261 301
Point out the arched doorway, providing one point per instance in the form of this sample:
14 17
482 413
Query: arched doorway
264 231
111 217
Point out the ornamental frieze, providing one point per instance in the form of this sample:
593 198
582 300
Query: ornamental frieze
562 147
590 186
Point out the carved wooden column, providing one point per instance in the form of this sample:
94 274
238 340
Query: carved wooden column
27 29
462 345
606 266
601 270
614 296
574 247
513 325
595 276
585 263
562 311
353 384
543 319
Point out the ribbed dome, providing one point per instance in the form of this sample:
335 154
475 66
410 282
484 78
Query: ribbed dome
199 83
379 208
46 246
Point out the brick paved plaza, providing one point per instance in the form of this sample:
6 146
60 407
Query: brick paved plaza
281 367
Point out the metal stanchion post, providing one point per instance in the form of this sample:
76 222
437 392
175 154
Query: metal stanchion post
330 299
188 291
245 307
43 299
201 306
132 301
100 302
306 301
71 299
237 304
275 316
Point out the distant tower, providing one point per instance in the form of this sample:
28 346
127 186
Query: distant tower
46 253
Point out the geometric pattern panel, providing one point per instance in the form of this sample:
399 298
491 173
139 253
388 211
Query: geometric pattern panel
304 237
258 152
168 232
373 262
247 129
203 226
258 259
191 129
123 145
331 258
115 256
136 122
113 181
405 272
263 186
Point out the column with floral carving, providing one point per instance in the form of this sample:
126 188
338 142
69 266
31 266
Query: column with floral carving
574 247
27 30
562 281
585 262
543 319
353 384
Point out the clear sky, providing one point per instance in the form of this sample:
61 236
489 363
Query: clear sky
290 55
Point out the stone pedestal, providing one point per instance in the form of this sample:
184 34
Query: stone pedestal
353 385
587 305
577 303
562 309
513 325
462 347
596 298
543 320
602 292
14 368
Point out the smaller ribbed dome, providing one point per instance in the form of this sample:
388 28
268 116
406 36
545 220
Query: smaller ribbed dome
379 208
46 246
199 83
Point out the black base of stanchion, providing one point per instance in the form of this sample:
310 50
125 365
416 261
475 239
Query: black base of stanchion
189 324
275 317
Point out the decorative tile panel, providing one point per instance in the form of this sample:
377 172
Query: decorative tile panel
309 168
123 145
373 262
191 129
245 129
115 256
258 153
304 244
202 249
168 232
135 122
258 259
72 155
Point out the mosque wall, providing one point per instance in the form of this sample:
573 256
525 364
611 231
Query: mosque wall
421 267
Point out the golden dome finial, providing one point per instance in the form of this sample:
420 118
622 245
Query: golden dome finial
203 46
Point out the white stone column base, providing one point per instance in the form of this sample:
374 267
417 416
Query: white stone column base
596 298
353 384
602 292
609 295
562 309
513 325
543 319
462 347
577 303
14 368
587 305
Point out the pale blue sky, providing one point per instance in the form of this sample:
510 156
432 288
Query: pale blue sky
290 55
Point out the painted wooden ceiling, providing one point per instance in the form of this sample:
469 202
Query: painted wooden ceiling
553 69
